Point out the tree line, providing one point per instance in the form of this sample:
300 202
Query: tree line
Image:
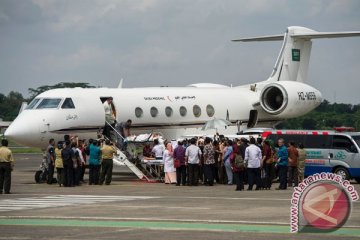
326 116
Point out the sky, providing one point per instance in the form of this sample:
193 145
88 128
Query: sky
151 43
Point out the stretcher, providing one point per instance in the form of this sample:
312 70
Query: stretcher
136 144
154 167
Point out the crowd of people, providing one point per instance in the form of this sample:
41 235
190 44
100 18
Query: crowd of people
223 161
186 162
71 157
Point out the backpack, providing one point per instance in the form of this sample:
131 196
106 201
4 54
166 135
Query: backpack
239 161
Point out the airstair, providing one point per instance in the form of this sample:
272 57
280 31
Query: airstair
132 161
120 160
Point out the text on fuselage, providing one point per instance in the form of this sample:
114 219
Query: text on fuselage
310 96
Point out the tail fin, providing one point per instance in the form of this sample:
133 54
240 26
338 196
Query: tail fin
293 60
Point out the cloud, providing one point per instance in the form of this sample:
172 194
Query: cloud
332 7
150 56
3 16
82 15
144 5
86 56
162 42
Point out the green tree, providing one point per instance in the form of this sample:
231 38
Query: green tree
309 123
324 106
10 105
326 116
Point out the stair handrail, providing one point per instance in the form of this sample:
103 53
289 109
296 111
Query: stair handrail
119 134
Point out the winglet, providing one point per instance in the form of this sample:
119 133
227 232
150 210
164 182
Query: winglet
121 83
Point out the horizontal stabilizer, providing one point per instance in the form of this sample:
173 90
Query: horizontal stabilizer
326 35
301 33
261 38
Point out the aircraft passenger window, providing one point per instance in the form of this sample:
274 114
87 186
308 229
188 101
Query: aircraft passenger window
183 111
154 111
210 110
33 103
196 111
49 103
138 112
68 104
168 111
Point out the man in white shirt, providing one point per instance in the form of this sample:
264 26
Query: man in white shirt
253 158
109 116
192 160
158 149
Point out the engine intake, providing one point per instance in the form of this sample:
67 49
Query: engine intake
289 98
274 99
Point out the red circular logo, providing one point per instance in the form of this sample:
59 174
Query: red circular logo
325 206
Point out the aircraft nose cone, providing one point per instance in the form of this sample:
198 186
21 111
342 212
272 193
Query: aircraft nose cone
8 133
13 133
21 132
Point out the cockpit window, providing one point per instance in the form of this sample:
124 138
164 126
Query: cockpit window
68 103
49 103
33 103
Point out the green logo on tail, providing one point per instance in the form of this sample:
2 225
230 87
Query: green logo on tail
296 55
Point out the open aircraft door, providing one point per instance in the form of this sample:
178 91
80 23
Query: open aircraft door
253 118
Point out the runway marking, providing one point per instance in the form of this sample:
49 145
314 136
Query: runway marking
154 219
162 207
242 198
50 201
7 205
151 219
163 226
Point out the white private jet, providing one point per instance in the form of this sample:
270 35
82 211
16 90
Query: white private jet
180 111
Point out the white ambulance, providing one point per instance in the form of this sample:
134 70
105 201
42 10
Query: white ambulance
326 151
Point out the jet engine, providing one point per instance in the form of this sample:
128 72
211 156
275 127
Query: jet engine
288 99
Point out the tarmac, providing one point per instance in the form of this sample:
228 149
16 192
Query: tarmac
134 209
